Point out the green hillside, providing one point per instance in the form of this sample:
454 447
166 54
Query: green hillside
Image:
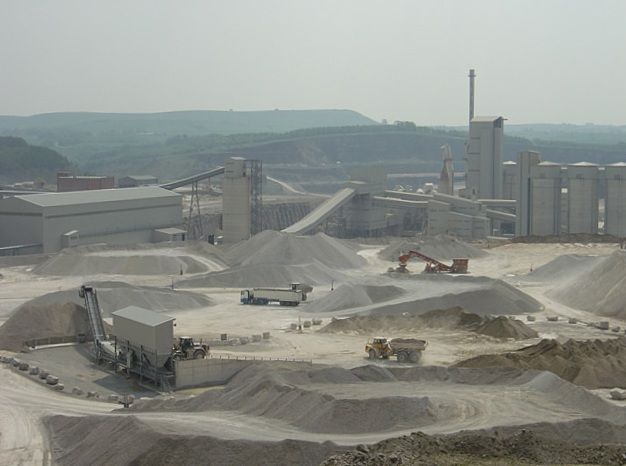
20 161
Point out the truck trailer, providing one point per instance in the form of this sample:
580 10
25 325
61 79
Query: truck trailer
291 296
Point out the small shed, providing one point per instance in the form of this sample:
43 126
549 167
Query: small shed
150 331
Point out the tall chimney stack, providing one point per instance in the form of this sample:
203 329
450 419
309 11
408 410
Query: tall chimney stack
471 75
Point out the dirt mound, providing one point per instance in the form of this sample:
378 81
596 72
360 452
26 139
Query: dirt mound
453 319
526 444
259 275
564 268
592 364
30 322
125 440
600 289
481 296
440 247
71 263
274 247
349 296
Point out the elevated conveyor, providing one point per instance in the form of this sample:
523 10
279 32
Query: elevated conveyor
88 293
194 178
322 212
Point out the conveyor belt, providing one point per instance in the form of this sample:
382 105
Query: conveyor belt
322 212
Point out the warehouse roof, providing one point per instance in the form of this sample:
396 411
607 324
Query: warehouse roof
96 196
143 316
141 177
486 119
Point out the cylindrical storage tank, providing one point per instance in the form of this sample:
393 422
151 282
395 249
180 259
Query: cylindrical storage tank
582 193
615 205
545 199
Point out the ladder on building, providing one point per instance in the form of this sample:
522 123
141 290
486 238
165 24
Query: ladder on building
94 315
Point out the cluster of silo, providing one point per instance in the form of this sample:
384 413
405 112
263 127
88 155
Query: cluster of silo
545 199
582 198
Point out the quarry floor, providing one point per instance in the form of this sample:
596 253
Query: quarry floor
23 402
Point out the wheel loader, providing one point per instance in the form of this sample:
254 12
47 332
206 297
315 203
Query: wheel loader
186 348
405 350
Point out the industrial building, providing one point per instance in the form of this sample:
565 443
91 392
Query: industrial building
67 182
133 181
483 175
242 204
615 200
117 216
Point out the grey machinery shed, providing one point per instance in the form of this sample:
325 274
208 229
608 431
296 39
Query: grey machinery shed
147 331
114 216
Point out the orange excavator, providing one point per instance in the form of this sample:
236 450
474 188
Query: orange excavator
433 265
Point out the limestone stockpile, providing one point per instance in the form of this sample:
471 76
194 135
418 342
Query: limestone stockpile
440 247
123 440
351 295
274 247
600 289
564 268
592 364
35 321
377 399
449 319
525 444
269 275
483 296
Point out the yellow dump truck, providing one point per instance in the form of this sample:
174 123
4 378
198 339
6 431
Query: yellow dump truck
404 349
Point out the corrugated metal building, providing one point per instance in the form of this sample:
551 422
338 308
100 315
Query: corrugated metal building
114 216
141 329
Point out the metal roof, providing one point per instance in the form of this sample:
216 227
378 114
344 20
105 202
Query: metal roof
143 316
96 196
486 119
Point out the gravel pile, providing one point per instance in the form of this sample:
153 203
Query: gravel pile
349 295
500 327
274 247
440 247
124 440
592 364
600 289
564 268
508 445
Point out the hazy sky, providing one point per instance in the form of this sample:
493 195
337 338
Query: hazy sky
536 60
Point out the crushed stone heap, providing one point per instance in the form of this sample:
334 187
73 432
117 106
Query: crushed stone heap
452 319
592 364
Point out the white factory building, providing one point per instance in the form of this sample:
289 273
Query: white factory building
115 216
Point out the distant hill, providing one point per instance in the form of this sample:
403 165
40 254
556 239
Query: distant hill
20 161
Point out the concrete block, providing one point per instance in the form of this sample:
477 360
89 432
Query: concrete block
316 321
553 318
616 329
43 374
266 335
15 362
23 366
113 398
77 391
573 320
91 394
602 325
257 338
244 340
34 370
293 326
52 380
531 318
58 387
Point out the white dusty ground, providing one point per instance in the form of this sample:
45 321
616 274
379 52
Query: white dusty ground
23 402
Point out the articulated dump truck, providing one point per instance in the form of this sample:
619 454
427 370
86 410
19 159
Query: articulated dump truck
404 349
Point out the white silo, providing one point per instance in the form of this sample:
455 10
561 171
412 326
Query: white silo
545 199
615 204
582 194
